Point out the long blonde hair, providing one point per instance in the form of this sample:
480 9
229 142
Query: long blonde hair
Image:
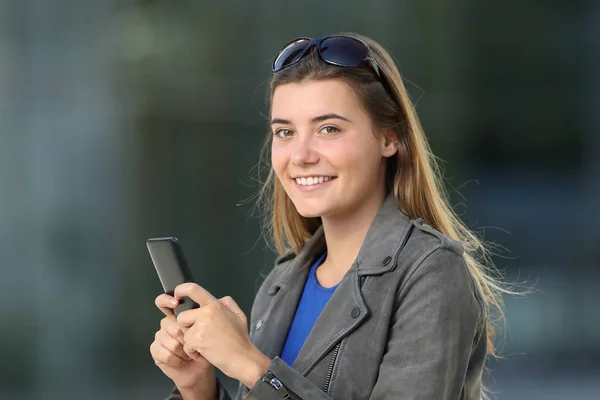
413 175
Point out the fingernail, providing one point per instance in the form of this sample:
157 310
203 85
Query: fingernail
173 301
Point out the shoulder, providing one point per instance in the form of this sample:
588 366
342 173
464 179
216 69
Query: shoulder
420 242
426 238
437 261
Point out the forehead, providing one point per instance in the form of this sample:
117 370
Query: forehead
311 98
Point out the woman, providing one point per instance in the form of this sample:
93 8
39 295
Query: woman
380 291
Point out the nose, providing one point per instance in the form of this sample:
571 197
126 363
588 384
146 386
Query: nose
304 152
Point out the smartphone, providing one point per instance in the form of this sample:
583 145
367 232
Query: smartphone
171 267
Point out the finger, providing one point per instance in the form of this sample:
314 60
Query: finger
174 346
190 351
162 355
173 329
228 302
194 292
187 318
166 304
209 312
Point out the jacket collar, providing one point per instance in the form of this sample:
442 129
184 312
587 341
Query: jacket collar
385 238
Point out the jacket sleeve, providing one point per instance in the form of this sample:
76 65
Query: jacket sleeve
432 332
294 386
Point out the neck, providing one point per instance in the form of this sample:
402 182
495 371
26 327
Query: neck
345 233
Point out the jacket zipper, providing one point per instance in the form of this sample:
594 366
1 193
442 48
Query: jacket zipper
330 369
336 351
279 387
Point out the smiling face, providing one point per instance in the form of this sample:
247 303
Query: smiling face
326 152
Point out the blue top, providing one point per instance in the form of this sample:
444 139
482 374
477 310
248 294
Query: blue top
313 300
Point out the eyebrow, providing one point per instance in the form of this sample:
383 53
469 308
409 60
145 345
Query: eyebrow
319 118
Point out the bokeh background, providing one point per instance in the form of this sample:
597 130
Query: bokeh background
127 119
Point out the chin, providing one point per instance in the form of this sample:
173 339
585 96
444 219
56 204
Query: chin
309 214
310 211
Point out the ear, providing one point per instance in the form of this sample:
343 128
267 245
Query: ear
389 142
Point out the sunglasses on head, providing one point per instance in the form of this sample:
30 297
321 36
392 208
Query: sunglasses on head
343 51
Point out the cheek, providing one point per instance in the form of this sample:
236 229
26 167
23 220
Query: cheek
346 156
358 159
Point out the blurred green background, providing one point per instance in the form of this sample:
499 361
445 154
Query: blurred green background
127 119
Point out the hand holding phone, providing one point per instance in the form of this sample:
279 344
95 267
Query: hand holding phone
171 267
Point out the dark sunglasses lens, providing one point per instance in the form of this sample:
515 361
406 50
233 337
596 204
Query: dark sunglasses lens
343 51
290 54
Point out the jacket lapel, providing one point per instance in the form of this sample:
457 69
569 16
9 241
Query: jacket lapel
286 292
344 311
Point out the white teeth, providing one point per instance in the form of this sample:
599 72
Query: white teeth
313 180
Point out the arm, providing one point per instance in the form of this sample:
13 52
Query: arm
432 332
294 385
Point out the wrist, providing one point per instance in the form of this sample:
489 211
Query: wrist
204 393
258 364
203 387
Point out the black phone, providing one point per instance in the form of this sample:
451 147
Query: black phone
171 267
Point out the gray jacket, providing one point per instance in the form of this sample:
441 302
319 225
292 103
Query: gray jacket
405 322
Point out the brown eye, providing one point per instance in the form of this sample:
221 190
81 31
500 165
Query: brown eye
329 130
283 133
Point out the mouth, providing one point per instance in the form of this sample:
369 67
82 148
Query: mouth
313 181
